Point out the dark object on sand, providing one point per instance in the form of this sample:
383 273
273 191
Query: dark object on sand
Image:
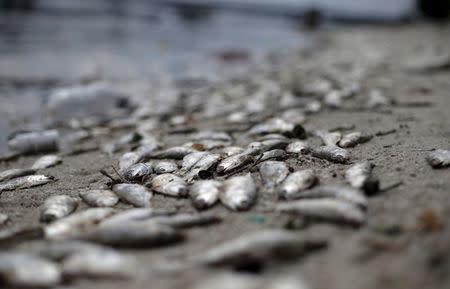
436 9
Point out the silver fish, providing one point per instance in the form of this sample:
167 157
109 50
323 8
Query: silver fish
229 151
207 144
207 162
234 162
329 210
47 162
273 154
329 138
128 159
439 158
261 246
139 214
15 173
3 219
333 192
137 172
333 154
27 270
238 193
134 194
273 173
270 144
274 125
170 185
298 147
272 136
120 143
297 182
57 207
162 167
184 221
60 249
26 182
190 160
99 198
100 264
354 138
176 153
35 142
211 135
358 174
248 281
204 194
136 234
76 223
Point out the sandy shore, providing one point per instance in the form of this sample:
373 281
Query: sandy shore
365 258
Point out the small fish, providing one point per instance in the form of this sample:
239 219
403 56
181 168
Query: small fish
204 194
139 214
333 154
272 136
206 163
274 125
333 192
76 223
212 135
273 154
147 147
163 167
358 174
329 138
15 173
184 221
190 160
26 182
137 172
249 281
99 198
270 144
134 194
27 270
229 151
3 219
57 207
297 182
439 158
207 144
47 162
238 193
234 162
298 147
120 143
100 263
128 159
329 210
352 139
170 185
35 142
136 234
176 153
273 173
262 246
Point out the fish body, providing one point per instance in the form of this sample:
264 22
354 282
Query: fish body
273 173
352 139
26 182
439 158
128 159
57 207
206 163
138 214
234 162
176 153
137 172
47 162
190 160
358 174
35 142
15 173
333 154
170 185
134 194
233 150
238 193
298 147
163 167
99 198
205 194
297 182
273 155
334 192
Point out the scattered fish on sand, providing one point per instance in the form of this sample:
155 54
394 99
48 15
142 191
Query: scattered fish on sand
333 154
15 173
297 182
57 207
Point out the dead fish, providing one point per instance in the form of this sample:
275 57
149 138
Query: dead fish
118 144
206 163
99 198
439 158
273 173
162 167
377 98
76 223
267 145
26 182
329 210
238 193
170 185
352 139
190 160
100 263
229 151
329 138
35 142
274 125
134 194
15 173
57 207
333 192
212 135
46 162
258 247
128 159
139 214
147 147
297 182
136 234
137 172
273 154
333 154
204 194
3 219
358 174
298 147
234 162
207 144
272 136
176 153
27 270
184 221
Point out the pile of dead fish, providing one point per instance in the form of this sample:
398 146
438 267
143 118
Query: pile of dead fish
259 137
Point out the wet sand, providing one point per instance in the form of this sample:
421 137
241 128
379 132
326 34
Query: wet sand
355 258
